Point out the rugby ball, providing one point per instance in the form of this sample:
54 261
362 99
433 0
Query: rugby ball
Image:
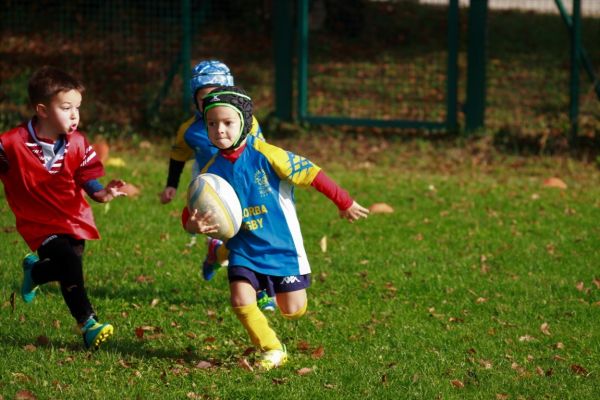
211 192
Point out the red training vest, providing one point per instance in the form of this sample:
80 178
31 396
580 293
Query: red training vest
45 204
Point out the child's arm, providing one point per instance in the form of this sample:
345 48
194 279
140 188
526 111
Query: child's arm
180 153
198 223
102 194
348 208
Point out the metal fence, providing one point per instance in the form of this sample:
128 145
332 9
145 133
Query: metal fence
401 63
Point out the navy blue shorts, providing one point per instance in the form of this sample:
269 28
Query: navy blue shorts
272 284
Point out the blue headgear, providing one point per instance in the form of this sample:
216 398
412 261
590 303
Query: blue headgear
209 73
235 98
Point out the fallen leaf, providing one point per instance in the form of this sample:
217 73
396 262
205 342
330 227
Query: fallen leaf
242 362
30 348
25 395
154 302
318 353
42 340
545 328
526 338
102 150
481 300
579 370
457 384
303 345
502 396
323 244
116 162
554 182
304 371
559 345
130 190
596 282
381 208
580 286
204 365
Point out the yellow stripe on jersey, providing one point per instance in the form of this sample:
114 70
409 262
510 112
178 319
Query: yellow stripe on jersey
291 167
180 151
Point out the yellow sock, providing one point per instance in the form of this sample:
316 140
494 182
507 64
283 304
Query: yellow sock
258 328
297 314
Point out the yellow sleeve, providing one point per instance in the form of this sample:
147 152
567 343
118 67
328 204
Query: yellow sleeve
296 169
256 130
180 151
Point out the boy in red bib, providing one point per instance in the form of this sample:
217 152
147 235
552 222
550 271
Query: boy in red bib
45 165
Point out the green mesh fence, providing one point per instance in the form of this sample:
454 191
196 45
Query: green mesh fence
378 60
529 72
126 52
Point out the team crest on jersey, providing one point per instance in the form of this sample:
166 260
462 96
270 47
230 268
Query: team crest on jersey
262 181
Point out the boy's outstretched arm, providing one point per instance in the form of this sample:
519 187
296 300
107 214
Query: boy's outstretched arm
348 208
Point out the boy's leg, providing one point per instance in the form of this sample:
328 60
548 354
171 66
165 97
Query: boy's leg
62 262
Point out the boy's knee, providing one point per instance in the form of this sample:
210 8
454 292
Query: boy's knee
296 314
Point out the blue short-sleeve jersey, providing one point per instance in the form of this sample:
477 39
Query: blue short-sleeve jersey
264 176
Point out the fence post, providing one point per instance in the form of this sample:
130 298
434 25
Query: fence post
452 68
302 59
476 54
575 50
186 45
283 45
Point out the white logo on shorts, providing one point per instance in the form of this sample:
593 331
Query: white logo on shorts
289 280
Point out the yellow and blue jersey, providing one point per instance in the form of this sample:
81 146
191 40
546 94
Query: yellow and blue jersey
263 177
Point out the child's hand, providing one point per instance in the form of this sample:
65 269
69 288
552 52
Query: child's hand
200 223
354 212
167 195
114 186
110 191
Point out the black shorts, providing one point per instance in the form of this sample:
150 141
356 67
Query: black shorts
272 284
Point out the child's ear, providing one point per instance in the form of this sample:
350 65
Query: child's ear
40 109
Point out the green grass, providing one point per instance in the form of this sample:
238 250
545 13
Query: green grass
443 299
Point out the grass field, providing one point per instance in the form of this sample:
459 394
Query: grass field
483 284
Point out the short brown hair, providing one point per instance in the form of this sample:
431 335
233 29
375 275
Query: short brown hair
47 81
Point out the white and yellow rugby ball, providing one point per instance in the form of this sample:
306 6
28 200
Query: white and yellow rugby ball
210 192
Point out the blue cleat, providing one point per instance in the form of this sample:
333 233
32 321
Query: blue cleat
95 333
265 302
28 288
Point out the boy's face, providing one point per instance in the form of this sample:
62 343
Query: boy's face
224 126
200 94
62 114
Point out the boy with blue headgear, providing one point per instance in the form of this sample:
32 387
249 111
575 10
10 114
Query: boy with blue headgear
268 250
192 142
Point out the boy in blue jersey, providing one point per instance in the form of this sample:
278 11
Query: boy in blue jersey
268 250
192 142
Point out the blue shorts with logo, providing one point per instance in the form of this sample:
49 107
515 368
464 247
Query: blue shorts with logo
272 284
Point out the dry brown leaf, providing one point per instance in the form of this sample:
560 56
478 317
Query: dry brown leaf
502 396
381 208
42 340
144 279
526 338
596 282
457 384
559 345
24 395
580 286
304 371
579 370
154 302
318 353
204 365
303 345
243 363
130 190
102 150
545 328
30 348
554 182
481 300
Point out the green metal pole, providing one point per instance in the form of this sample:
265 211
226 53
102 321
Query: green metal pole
186 51
283 42
575 45
452 68
476 85
302 58
585 59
